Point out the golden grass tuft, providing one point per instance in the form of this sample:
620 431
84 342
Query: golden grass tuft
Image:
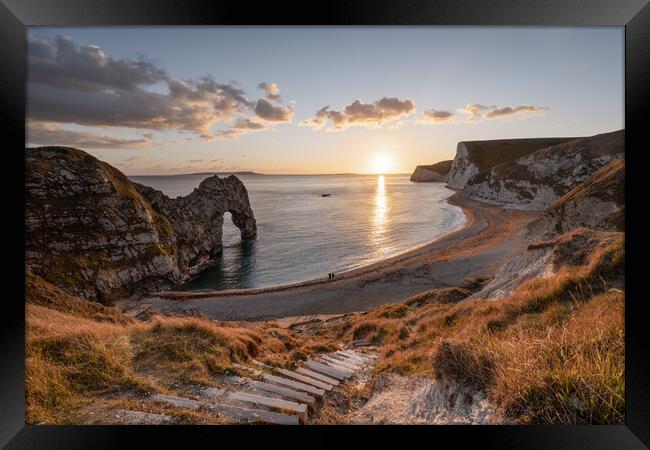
571 373
189 349
552 352
69 356
78 352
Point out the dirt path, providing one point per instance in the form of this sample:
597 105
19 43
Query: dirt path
487 239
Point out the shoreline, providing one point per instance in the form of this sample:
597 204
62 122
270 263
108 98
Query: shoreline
488 236
356 271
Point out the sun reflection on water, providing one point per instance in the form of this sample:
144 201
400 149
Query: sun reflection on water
380 219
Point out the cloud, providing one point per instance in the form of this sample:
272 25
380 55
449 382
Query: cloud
266 111
60 63
272 90
476 112
50 134
513 110
73 84
437 116
360 113
240 127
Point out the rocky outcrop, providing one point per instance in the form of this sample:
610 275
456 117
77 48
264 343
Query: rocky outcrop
473 157
433 172
197 218
538 180
94 233
597 204
543 259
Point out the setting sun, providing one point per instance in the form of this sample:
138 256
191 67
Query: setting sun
382 164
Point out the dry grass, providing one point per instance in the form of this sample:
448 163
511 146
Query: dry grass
572 372
80 353
67 358
550 353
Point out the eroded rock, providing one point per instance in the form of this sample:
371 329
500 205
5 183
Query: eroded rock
536 181
94 233
598 204
474 157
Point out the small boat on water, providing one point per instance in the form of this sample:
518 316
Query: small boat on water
325 195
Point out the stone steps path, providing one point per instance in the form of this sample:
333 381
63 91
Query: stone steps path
276 395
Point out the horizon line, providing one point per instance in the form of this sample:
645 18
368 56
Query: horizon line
251 172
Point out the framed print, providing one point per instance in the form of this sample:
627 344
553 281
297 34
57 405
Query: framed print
364 217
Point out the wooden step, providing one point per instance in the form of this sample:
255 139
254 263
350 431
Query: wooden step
261 364
279 380
179 402
286 392
347 365
338 367
309 379
358 365
352 357
362 356
319 376
141 417
294 384
278 418
326 383
299 408
348 358
244 413
345 359
268 387
327 370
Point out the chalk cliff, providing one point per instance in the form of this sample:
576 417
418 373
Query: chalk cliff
537 180
94 233
432 172
589 217
473 157
597 204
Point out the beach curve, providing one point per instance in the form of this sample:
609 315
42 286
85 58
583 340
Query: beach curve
476 249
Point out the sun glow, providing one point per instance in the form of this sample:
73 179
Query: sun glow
382 163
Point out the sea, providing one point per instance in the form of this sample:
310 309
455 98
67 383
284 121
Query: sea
311 225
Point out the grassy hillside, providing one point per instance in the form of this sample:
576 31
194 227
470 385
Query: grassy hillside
486 154
441 167
80 353
552 352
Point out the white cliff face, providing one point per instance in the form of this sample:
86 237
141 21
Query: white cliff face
598 204
536 181
517 194
462 169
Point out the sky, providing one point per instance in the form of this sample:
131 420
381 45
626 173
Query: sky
166 100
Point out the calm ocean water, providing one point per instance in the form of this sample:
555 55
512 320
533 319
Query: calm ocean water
302 235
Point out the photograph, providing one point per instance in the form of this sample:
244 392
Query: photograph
325 225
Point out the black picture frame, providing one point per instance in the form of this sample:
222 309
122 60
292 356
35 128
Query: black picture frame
634 15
